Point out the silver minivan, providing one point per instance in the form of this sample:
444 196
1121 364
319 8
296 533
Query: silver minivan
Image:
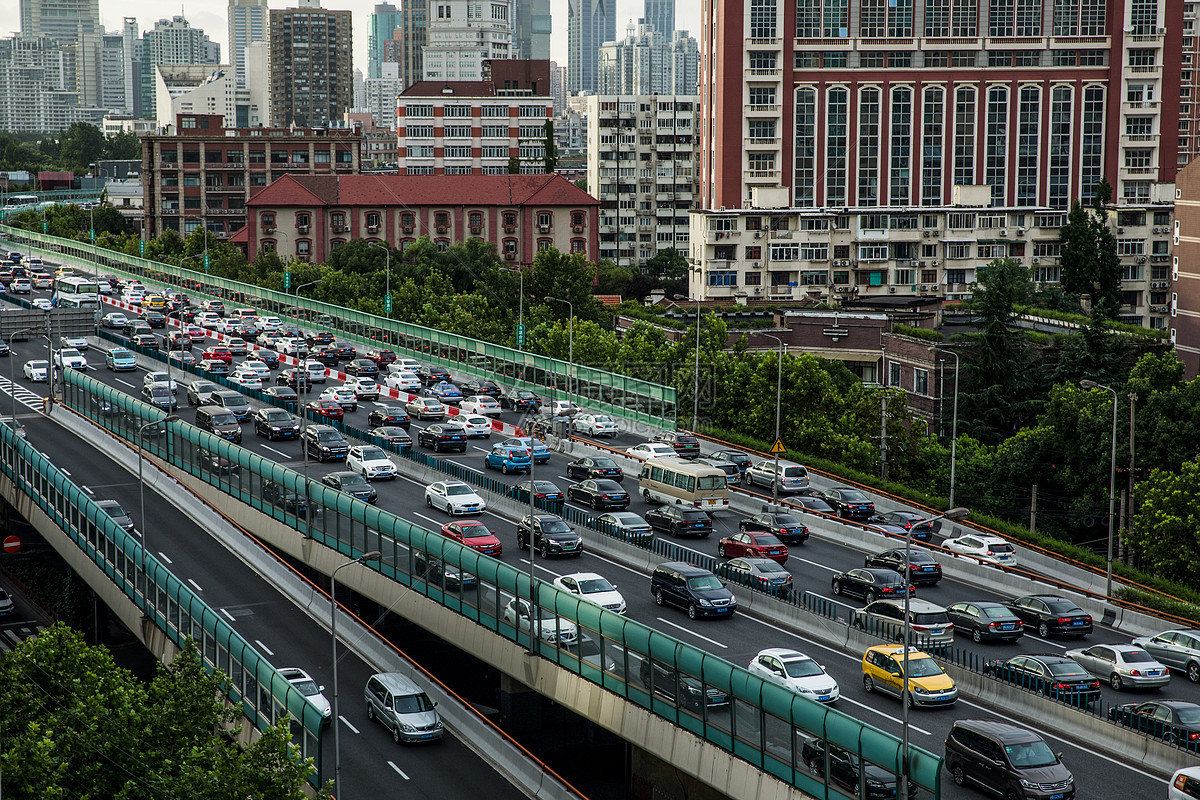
885 618
403 708
791 477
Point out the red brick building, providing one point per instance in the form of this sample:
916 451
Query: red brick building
307 216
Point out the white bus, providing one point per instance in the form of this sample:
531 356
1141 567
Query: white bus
74 291
14 200
678 481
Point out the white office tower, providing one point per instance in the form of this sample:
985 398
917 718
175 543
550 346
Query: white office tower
175 41
247 25
648 62
462 34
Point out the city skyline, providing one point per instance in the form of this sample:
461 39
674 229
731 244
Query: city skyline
211 16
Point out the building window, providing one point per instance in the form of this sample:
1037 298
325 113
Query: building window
373 219
475 219
407 219
456 111
302 220
510 219
268 245
921 381
1061 119
836 145
1143 17
804 185
868 146
442 245
1092 151
1028 138
577 219
544 219
334 244
931 141
894 368
441 219
578 246
964 137
762 19
722 277
268 220
303 249
544 244
510 245
900 173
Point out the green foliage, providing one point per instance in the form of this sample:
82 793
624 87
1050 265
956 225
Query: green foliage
122 146
666 264
82 144
1088 254
76 726
1176 608
918 333
1166 527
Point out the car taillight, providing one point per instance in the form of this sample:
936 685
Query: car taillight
1193 736
916 567
1061 686
1134 672
541 496
993 624
1063 620
1088 617
887 590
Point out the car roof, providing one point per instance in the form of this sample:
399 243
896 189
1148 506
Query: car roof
784 653
580 576
397 683
898 650
915 604
684 568
1000 730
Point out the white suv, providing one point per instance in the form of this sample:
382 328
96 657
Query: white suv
985 549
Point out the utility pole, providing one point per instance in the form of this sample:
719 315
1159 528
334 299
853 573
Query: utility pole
1033 510
883 465
1124 549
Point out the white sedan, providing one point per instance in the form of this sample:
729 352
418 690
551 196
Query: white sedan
247 379
363 388
593 588
454 497
552 629
78 342
595 425
36 370
42 303
480 404
344 397
254 365
985 549
563 408
403 381
477 427
69 357
372 462
113 319
308 687
648 450
160 377
315 370
797 672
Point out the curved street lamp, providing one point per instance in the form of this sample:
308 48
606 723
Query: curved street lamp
371 555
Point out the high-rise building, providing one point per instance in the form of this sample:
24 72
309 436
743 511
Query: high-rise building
532 29
62 20
132 46
175 41
311 65
660 15
384 22
381 94
34 95
642 164
558 87
647 62
463 34
410 40
112 72
204 89
247 25
590 23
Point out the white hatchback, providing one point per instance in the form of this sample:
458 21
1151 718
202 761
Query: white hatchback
477 427
648 450
595 425
316 371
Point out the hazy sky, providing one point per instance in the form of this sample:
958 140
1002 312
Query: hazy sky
210 15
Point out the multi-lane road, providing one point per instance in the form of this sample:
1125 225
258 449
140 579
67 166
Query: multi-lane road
1099 774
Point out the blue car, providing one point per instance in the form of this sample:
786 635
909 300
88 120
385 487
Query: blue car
508 458
120 360
446 392
541 453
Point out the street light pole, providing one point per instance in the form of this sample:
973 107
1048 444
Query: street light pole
954 425
778 411
521 300
142 488
954 513
372 555
696 381
1112 479
12 372
535 617
570 343
387 291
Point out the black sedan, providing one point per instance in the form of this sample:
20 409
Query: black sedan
388 415
441 573
597 467
1174 721
546 492
392 435
686 444
482 386
922 568
786 527
295 378
352 484
284 395
812 502
870 584
679 520
275 423
846 769
443 436
361 367
431 374
346 351
326 355
742 460
551 536
599 494
1049 614
1057 677
921 530
985 620
764 574
520 400
268 357
849 503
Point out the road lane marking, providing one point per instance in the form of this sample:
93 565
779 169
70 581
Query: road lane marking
86 489
392 764
897 720
347 723
193 583
538 565
273 450
126 383
163 556
693 633
266 649
817 564
227 614
427 519
1046 641
64 472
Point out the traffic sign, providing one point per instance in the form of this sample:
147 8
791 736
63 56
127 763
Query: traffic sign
11 544
520 336
206 261
92 232
45 226
778 447
387 304
287 280
142 247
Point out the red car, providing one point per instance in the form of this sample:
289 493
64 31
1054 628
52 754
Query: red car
475 535
196 334
218 354
330 409
756 544
381 357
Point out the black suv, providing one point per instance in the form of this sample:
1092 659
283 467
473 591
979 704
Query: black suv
482 386
846 767
275 423
693 588
678 520
289 500
521 400
325 443
1003 758
686 445
551 536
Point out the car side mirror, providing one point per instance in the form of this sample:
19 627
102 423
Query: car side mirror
999 762
614 586
1059 756
435 702
321 689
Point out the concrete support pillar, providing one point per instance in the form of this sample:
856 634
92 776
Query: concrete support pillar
520 706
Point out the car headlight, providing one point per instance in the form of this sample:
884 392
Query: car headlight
804 690
404 726
705 602
919 689
1029 784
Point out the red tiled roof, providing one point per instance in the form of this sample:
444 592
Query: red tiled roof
242 235
457 89
609 299
421 190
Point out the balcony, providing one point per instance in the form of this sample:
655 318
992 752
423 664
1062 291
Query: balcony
772 108
762 175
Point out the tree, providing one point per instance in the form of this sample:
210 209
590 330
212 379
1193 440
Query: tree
666 264
514 165
82 144
76 725
122 146
551 147
1166 526
1088 255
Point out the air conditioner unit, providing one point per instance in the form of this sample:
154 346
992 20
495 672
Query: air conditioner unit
510 256
1162 31
476 229
1120 230
577 229
1003 233
758 290
1020 231
408 228
927 234
1141 260
269 229
755 265
372 229
920 263
923 288
302 228
544 228
1156 230
1036 260
510 229
758 234
933 263
891 290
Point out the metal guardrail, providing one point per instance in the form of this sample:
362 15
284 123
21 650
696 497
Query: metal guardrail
620 395
763 723
253 684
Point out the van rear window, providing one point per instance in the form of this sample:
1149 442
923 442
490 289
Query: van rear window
795 472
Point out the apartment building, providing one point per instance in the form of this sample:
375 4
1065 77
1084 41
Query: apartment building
643 166
1184 299
476 127
306 216
201 173
463 34
311 65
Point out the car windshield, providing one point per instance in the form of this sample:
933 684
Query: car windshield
543 486
603 462
329 436
767 539
1061 606
923 668
224 419
590 585
455 489
476 532
1065 669
555 526
278 416
931 618
767 567
694 516
800 472
352 479
370 453
710 482
704 583
852 495
1001 548
115 510
1188 715
802 668
159 391
413 704
1030 754
306 686
996 612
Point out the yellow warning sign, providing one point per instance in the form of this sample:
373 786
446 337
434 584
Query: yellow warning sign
778 447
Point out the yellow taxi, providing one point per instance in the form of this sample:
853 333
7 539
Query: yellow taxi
928 683
155 302
64 272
